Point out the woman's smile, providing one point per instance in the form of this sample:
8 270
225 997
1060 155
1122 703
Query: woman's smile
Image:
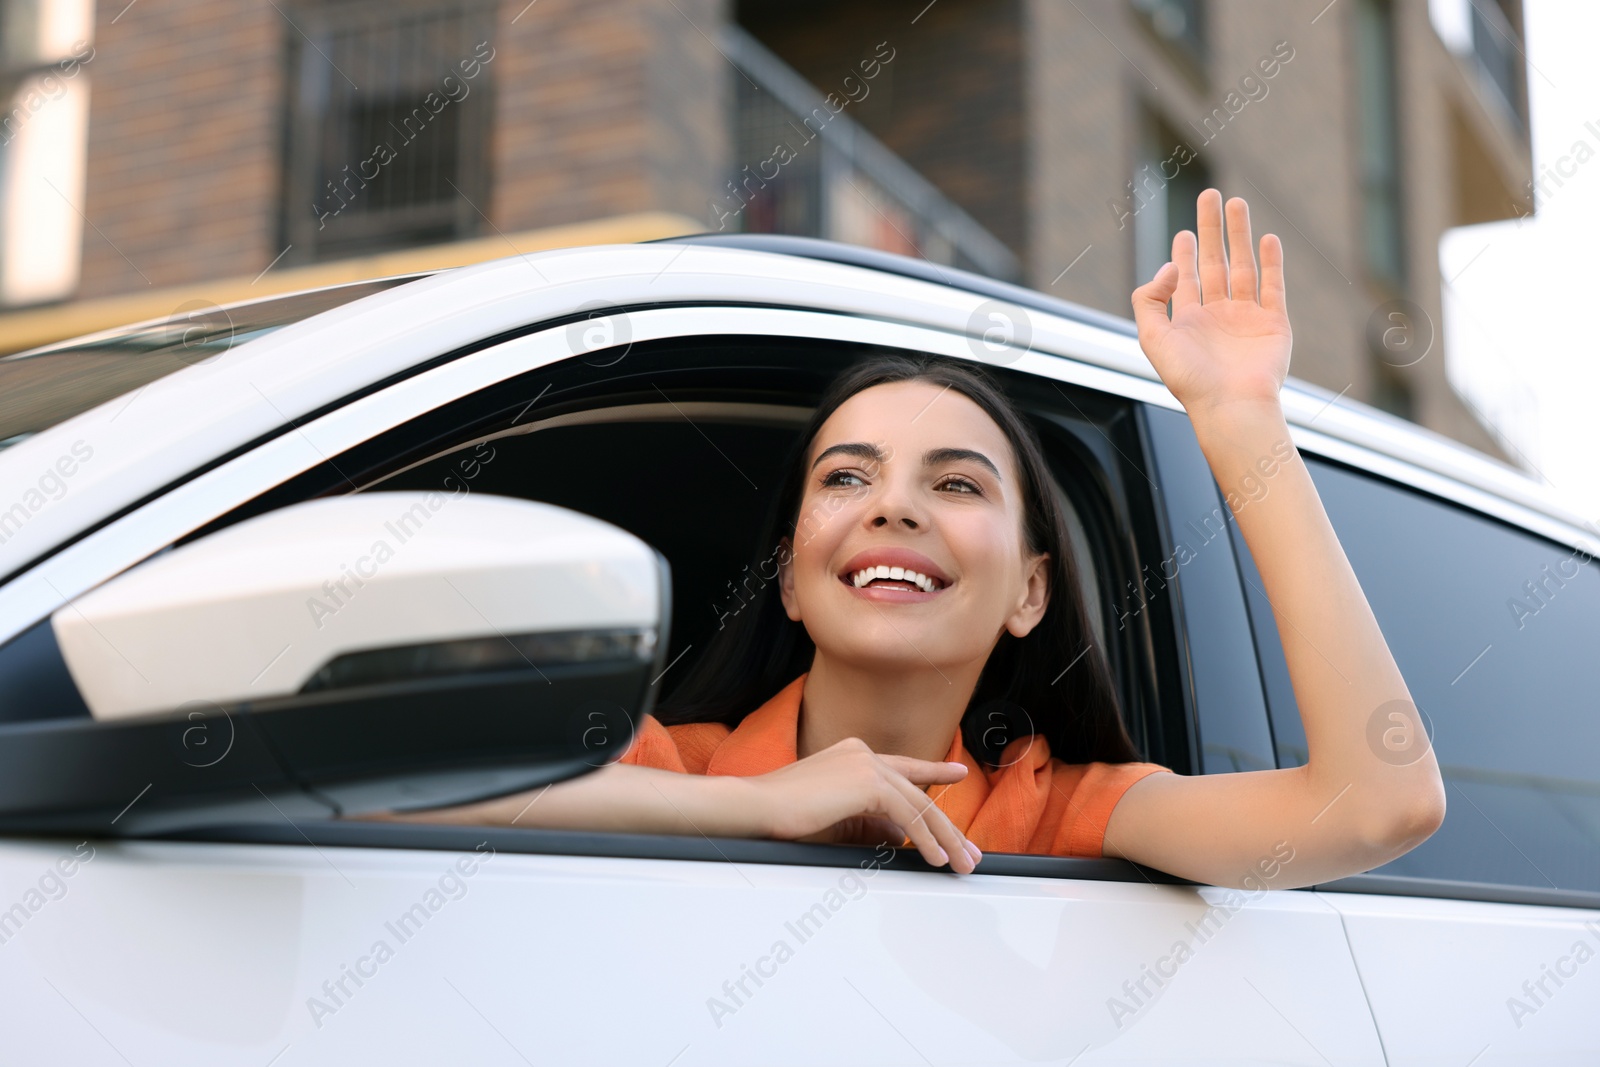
894 576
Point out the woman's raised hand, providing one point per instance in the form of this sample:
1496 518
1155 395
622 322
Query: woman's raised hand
1228 339
848 793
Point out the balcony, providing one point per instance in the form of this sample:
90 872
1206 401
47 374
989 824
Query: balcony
804 167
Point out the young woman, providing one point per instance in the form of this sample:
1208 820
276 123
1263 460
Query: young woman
922 667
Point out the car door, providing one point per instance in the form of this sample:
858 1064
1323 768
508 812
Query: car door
1479 945
273 940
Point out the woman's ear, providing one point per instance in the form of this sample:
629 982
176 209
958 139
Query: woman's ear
786 579
1035 597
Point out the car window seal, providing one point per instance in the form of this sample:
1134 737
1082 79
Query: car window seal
419 836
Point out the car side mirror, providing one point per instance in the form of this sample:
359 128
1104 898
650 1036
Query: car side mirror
351 654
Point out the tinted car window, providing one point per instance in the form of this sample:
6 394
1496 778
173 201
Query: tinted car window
1497 632
49 385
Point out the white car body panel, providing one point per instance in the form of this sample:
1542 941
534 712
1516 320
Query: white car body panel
1447 980
202 954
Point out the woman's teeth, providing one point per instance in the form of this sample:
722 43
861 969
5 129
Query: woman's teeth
895 574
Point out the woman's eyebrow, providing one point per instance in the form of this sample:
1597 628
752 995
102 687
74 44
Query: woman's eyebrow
858 449
935 456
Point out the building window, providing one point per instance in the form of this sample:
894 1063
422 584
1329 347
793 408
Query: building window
1380 140
1180 24
388 125
45 51
1168 177
804 166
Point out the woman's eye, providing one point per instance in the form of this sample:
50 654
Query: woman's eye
961 485
842 479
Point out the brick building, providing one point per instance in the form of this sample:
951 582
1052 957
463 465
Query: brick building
157 153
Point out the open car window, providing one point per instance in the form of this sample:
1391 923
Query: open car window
693 479
680 440
683 443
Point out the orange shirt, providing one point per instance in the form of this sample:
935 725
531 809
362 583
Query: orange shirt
1031 803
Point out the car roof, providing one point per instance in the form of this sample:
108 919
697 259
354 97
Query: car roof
908 267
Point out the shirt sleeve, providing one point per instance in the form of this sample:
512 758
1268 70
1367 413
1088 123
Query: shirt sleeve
1080 804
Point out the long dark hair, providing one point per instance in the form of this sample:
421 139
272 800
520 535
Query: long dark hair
1026 686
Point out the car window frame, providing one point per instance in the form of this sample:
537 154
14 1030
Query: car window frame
1115 502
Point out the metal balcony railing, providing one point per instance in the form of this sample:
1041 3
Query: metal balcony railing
805 169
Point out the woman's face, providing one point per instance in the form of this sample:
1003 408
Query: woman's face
914 476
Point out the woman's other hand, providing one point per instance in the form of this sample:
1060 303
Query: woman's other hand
848 793
1228 338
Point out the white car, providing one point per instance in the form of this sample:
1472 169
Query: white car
430 539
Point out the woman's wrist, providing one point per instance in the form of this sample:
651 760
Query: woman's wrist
736 807
1225 420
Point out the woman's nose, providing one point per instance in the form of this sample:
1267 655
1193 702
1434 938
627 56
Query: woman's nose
884 520
897 507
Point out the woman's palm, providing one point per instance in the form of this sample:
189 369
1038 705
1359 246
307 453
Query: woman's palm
1223 342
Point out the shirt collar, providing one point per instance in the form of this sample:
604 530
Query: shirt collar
766 740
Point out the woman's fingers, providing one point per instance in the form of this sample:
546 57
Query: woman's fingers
1241 252
930 829
1213 259
847 790
929 826
1183 254
1150 306
925 771
1273 296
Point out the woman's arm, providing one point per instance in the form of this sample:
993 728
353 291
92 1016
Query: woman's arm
1371 789
844 793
